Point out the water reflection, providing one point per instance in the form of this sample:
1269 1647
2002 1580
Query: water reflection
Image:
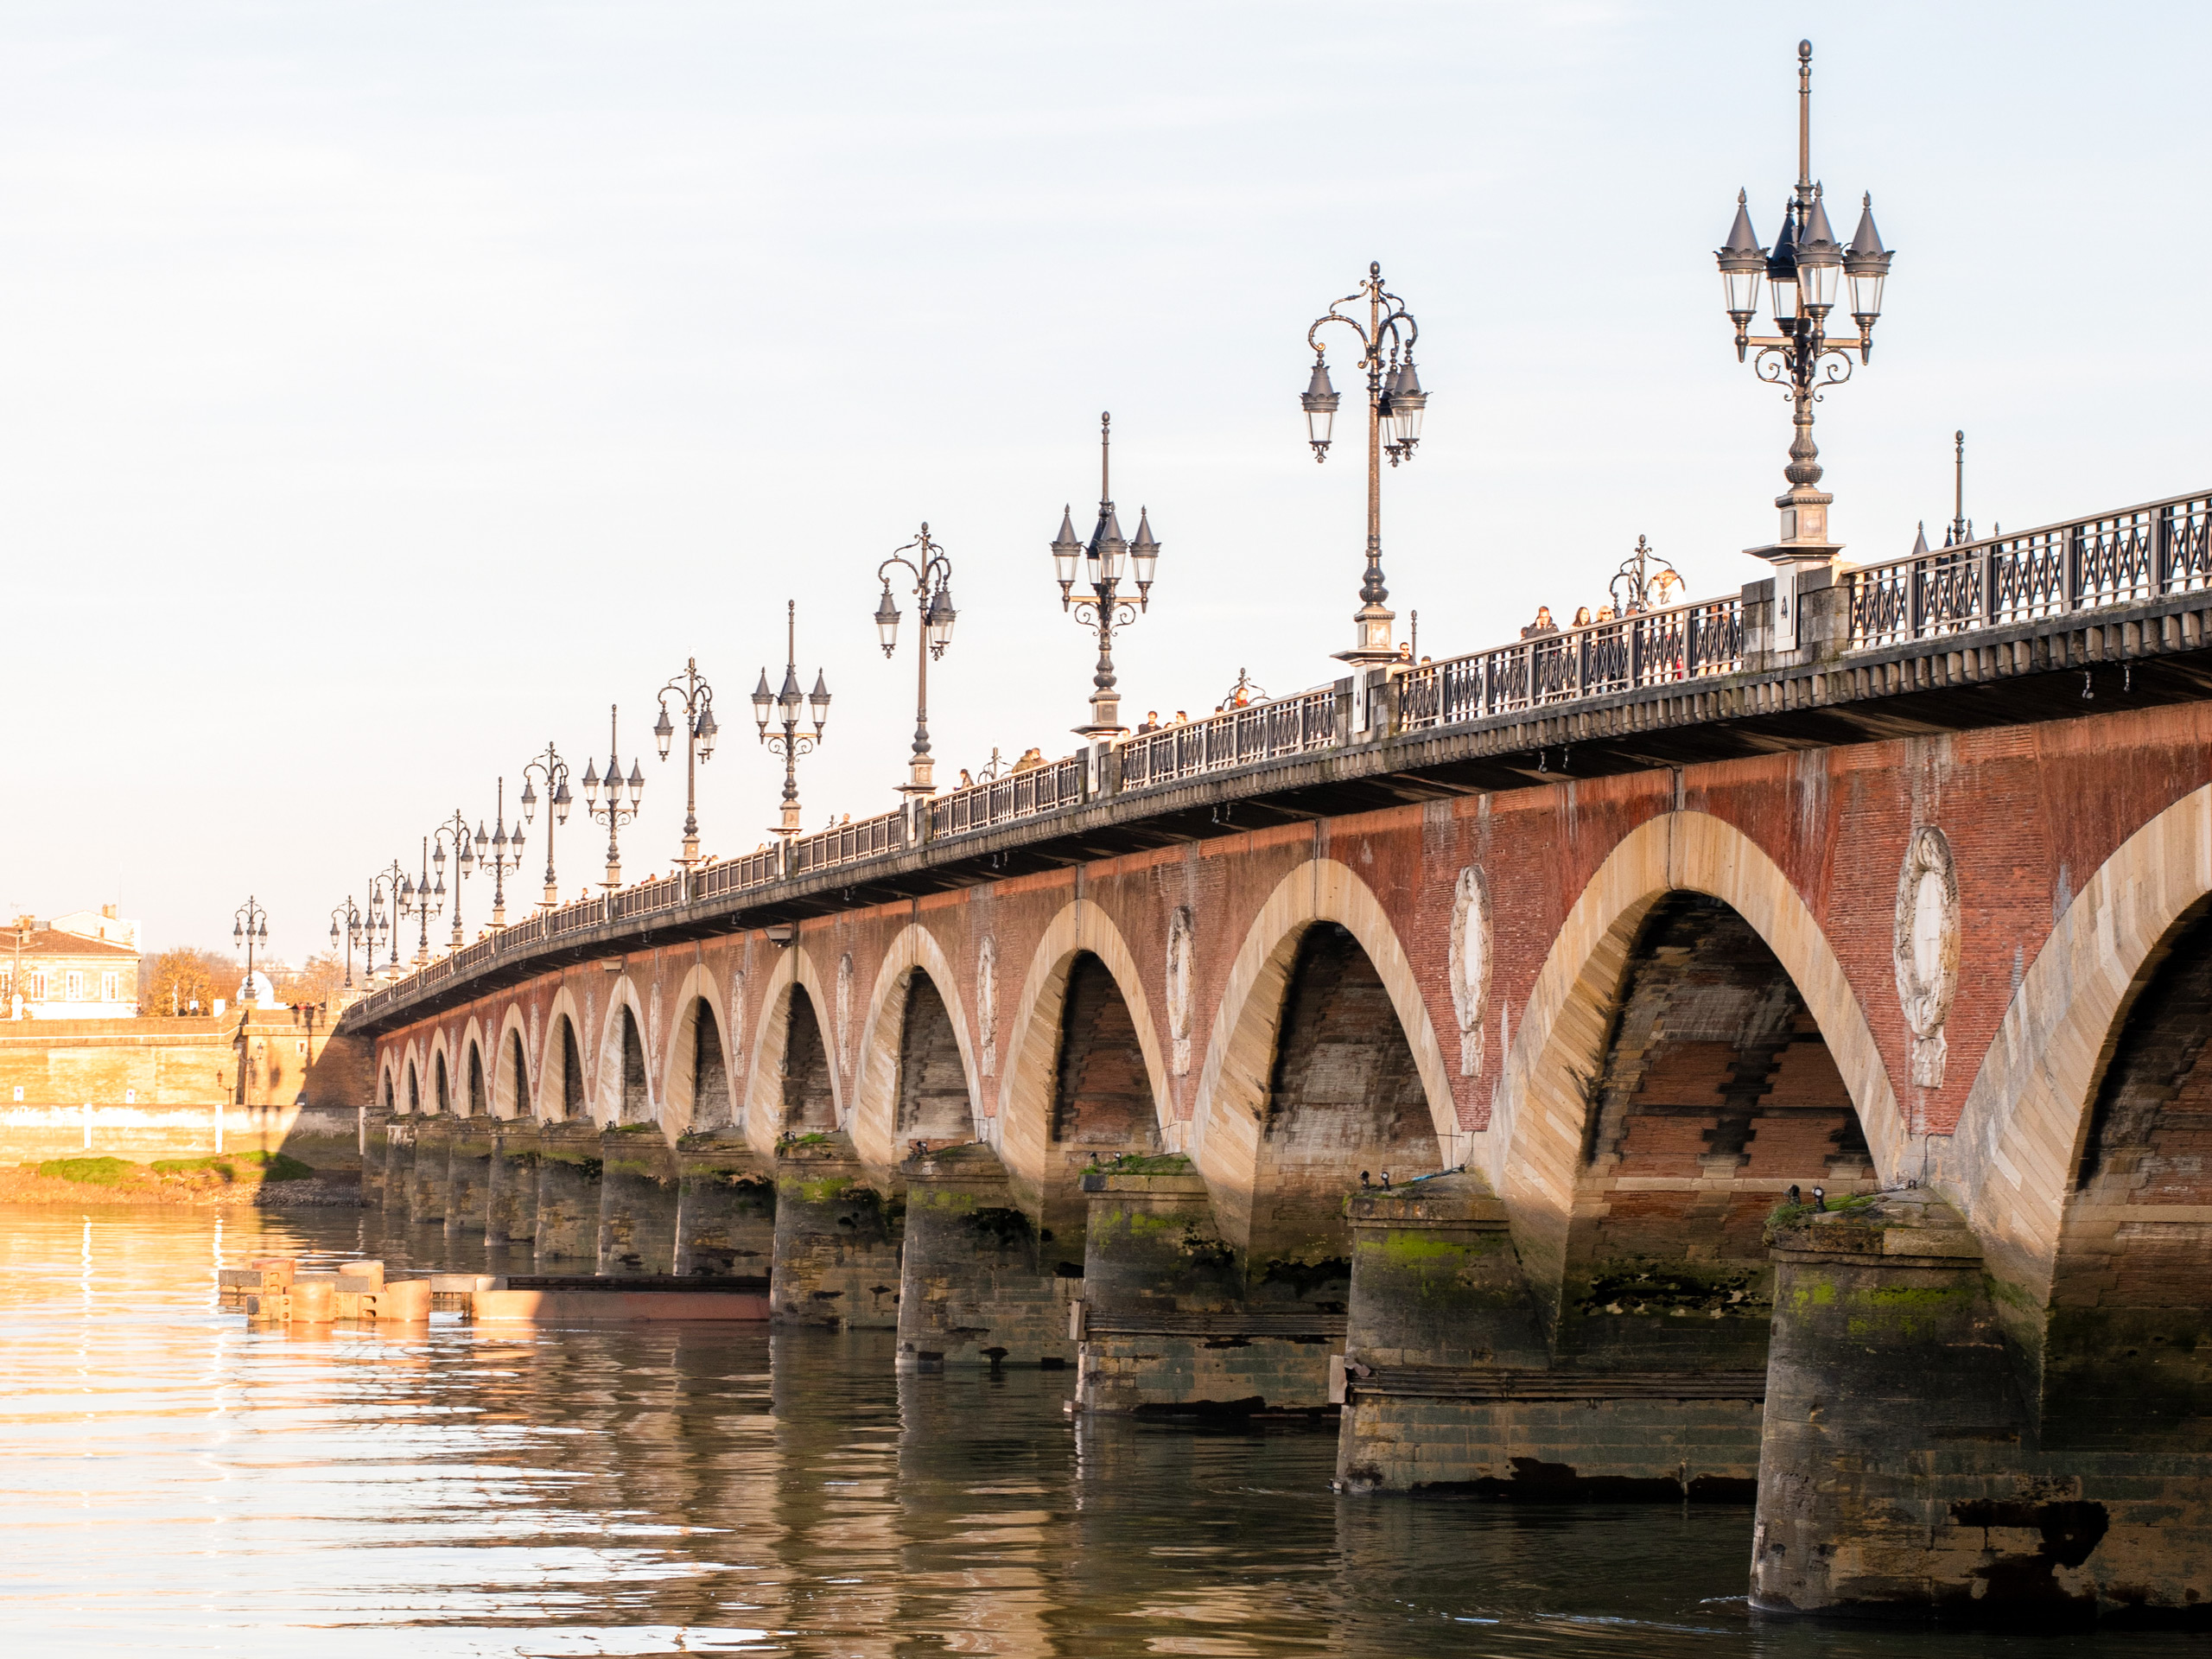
173 1482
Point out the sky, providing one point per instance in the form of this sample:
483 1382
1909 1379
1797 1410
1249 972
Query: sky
388 389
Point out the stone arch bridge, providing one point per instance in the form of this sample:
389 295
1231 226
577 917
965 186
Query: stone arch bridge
1464 1047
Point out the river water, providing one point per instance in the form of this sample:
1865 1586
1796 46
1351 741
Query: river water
171 1482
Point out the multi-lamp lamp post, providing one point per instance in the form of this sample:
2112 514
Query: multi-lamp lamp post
696 698
1803 273
614 811
1395 404
351 922
455 830
250 928
932 575
501 854
423 897
383 912
1102 608
790 743
555 771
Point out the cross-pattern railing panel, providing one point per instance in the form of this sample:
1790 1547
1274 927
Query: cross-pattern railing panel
847 843
736 875
1000 800
2118 558
646 899
1240 737
1685 642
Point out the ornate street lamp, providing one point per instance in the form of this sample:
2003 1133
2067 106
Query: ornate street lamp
351 921
696 698
932 574
1803 272
501 853
1103 609
614 811
555 771
250 928
416 898
454 829
790 742
1395 403
384 909
1961 532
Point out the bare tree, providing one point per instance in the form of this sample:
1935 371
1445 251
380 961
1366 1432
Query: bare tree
173 980
317 982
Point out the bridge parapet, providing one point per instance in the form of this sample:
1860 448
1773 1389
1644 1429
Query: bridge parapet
2116 586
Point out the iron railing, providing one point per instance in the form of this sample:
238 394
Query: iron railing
2116 558
1652 648
1241 737
646 899
849 842
1018 795
737 875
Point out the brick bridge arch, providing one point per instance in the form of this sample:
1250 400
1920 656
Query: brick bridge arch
506 1100
472 1048
606 1100
679 1106
2017 1159
1227 1118
915 949
1031 1073
552 1086
1532 1149
764 1081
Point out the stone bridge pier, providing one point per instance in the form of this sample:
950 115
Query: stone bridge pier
1823 1129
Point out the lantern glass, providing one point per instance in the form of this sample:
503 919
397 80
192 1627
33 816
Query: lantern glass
1785 298
1742 288
1866 293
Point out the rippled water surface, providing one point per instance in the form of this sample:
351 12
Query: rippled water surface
176 1484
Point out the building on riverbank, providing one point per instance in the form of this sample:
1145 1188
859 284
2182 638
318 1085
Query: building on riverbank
81 966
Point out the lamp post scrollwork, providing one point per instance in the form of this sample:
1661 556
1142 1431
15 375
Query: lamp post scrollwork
1395 406
790 743
1104 609
1645 582
1802 272
932 575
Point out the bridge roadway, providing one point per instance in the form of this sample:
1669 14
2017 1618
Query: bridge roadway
1600 944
